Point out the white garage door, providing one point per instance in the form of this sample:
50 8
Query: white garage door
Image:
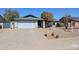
27 25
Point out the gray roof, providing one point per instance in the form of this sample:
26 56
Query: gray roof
28 17
71 18
2 19
75 18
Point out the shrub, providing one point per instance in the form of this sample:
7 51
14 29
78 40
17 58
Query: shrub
57 36
59 25
62 24
45 35
53 22
0 27
50 23
52 34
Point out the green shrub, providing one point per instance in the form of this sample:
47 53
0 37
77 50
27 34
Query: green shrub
50 23
62 24
59 25
0 27
53 22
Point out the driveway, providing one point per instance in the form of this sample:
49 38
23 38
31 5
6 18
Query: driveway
33 39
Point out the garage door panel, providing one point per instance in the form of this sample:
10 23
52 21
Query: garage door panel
27 25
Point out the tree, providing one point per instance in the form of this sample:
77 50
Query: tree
48 17
66 20
9 14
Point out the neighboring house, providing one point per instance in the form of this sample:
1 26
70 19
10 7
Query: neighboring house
4 23
75 20
28 21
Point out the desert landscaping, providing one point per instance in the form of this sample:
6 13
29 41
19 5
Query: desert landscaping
51 29
34 39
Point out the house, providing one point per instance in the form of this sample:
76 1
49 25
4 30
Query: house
4 23
28 21
75 20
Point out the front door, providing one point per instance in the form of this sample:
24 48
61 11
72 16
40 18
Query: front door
40 24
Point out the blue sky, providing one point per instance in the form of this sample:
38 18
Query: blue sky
57 12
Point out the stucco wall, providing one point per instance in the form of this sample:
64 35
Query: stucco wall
77 24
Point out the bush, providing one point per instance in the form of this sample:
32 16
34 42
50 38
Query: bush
57 36
52 34
59 25
50 23
0 27
53 22
45 35
62 24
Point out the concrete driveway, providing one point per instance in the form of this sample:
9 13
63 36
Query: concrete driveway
33 39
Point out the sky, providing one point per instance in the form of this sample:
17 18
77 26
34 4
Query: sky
57 12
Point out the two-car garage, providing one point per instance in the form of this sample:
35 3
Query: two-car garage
24 25
29 21
28 24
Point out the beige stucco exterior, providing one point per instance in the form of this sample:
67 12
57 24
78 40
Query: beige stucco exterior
77 24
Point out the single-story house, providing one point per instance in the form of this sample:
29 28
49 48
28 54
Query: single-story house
28 21
4 23
75 20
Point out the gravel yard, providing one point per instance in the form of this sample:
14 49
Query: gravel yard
34 39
